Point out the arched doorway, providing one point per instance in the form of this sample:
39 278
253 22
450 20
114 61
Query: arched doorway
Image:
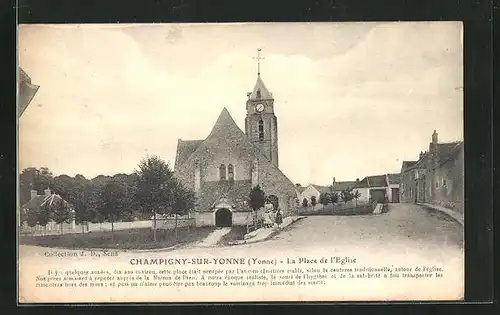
272 199
223 218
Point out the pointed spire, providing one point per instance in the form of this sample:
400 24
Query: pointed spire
259 58
260 91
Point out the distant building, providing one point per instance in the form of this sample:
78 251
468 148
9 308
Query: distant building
313 190
338 187
437 177
384 188
373 188
48 198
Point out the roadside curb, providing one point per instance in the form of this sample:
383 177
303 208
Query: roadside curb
455 216
274 233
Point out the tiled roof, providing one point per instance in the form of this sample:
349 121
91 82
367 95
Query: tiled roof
184 149
34 203
447 150
264 92
372 181
394 178
41 200
340 186
236 192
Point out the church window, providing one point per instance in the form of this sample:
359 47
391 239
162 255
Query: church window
261 130
222 172
230 172
258 93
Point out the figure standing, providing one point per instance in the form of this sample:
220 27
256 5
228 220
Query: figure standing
268 222
278 219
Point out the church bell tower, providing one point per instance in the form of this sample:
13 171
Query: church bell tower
261 125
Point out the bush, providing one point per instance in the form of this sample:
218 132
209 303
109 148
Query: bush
304 202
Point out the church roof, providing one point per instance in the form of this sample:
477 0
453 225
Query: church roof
184 149
225 125
225 133
260 92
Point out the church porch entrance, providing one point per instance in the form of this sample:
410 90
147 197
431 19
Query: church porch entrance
223 218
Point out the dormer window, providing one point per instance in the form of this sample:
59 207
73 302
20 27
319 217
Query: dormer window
258 93
261 130
222 172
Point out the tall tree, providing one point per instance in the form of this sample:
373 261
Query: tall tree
334 198
33 178
313 201
256 200
154 187
346 196
113 201
32 217
44 215
356 194
183 200
324 198
61 213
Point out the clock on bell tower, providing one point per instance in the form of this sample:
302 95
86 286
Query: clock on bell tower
261 125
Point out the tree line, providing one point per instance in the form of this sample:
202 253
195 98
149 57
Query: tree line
150 190
333 198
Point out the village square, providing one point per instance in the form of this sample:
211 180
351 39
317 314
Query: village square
227 190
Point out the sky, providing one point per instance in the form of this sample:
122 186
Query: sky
351 99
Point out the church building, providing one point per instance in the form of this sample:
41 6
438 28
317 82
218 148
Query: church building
224 167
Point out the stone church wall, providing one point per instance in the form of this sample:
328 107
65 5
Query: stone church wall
274 182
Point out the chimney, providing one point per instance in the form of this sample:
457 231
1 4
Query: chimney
47 192
34 193
334 180
357 180
434 137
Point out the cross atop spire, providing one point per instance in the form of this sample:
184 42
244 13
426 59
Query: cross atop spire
259 58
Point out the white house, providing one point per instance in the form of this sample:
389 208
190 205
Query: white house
313 190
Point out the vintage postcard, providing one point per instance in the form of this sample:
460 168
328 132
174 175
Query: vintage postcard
241 162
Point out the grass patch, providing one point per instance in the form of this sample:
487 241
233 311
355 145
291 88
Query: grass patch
360 210
122 239
237 233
